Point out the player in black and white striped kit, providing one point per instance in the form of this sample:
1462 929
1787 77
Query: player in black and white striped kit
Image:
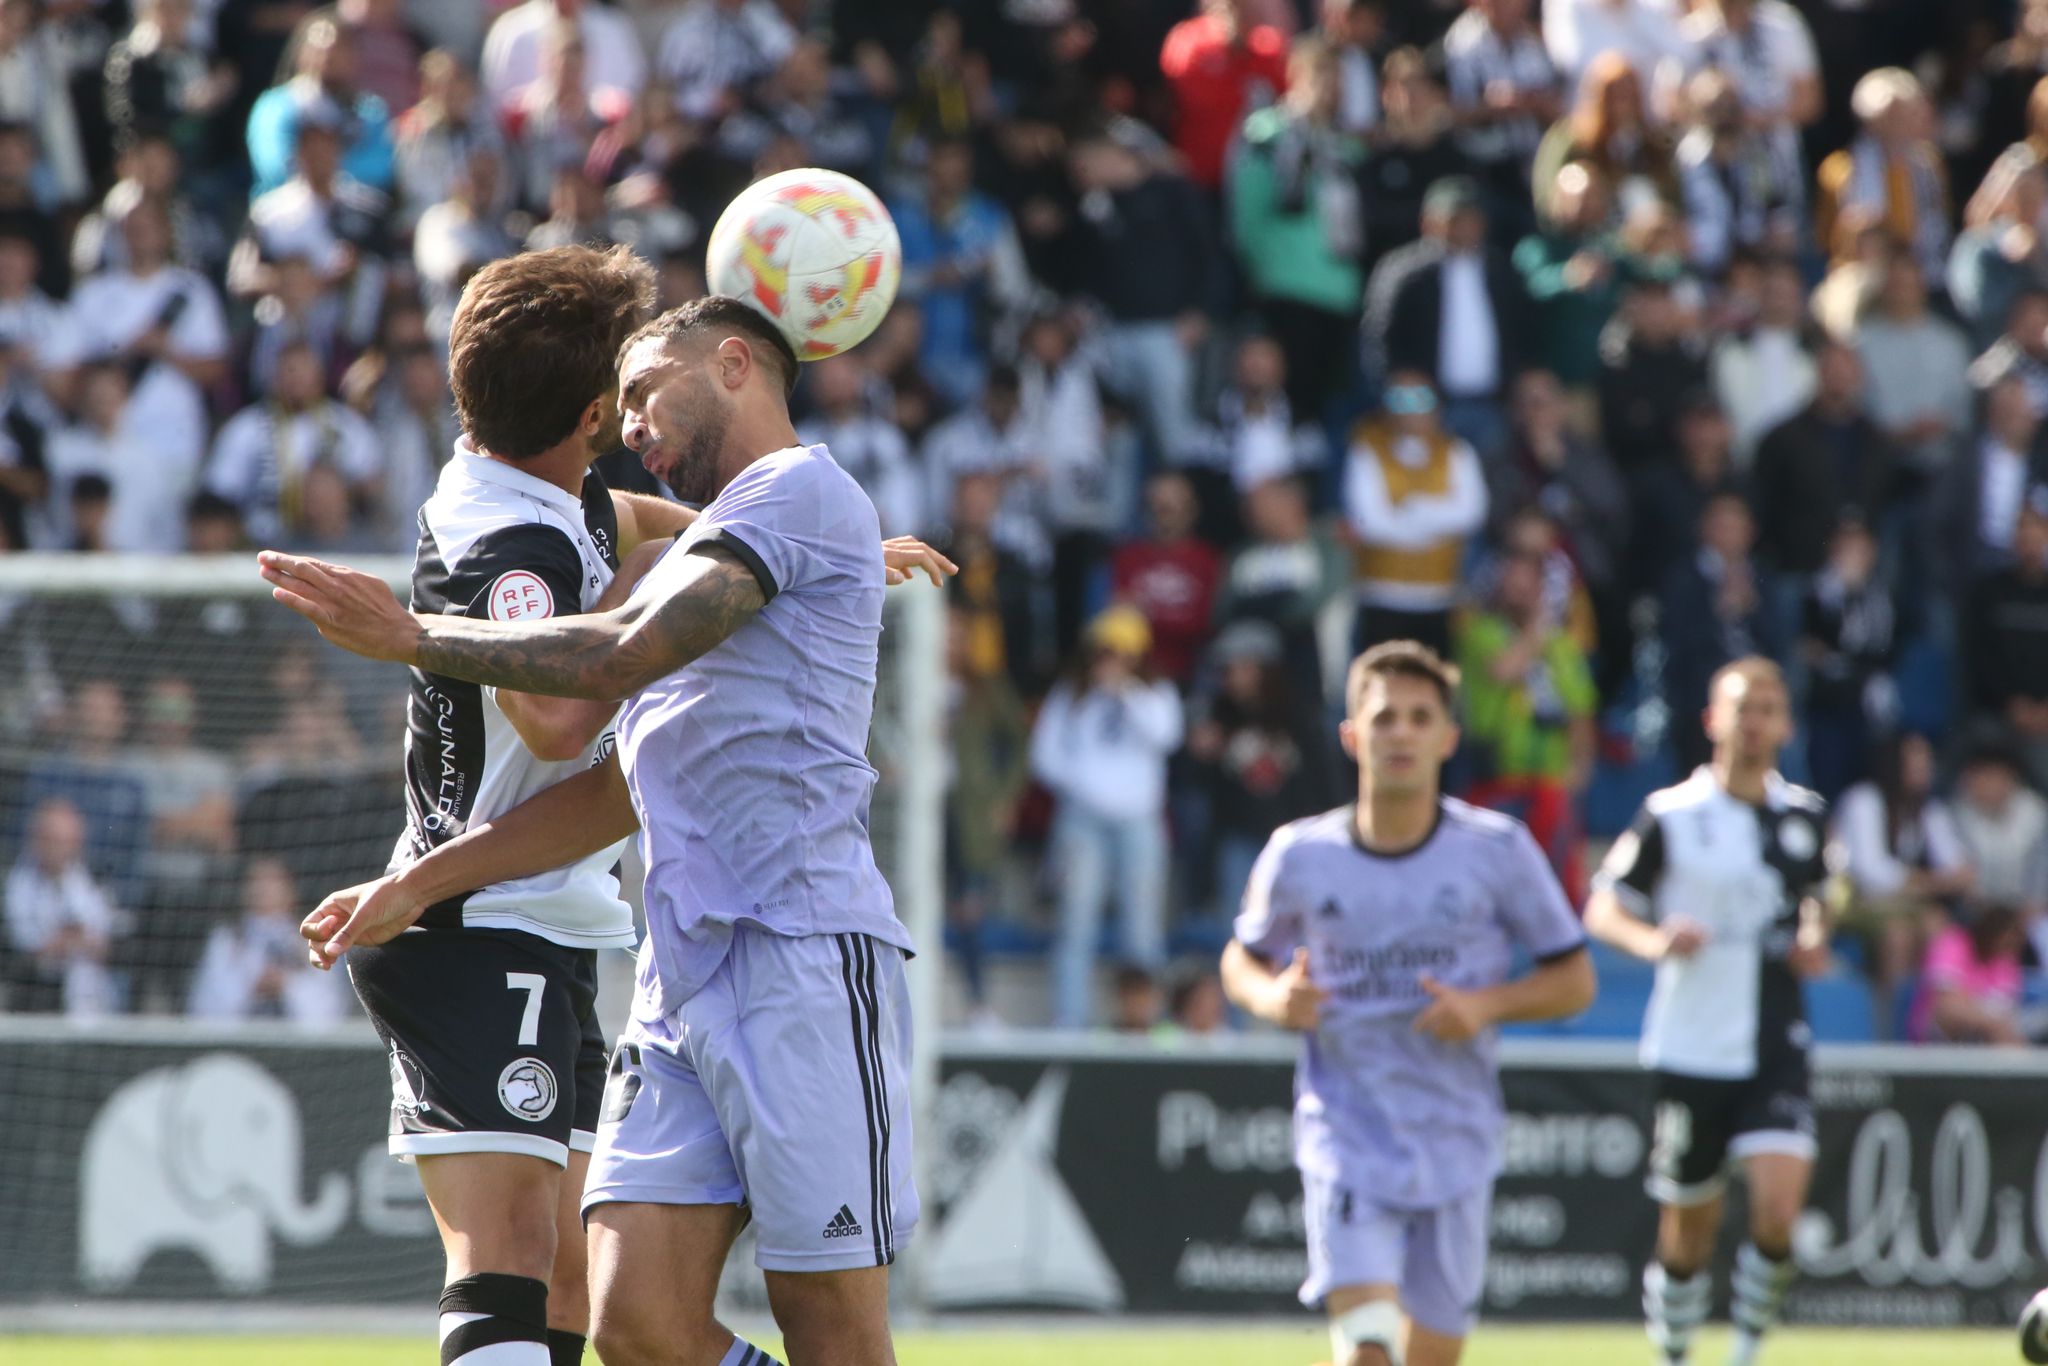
1719 882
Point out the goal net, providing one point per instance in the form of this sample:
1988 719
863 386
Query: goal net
186 1112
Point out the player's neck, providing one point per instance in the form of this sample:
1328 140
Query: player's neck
563 464
1388 822
1744 782
754 437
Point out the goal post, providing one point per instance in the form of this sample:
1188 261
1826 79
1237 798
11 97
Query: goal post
203 757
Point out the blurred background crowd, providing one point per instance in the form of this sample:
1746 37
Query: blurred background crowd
1595 344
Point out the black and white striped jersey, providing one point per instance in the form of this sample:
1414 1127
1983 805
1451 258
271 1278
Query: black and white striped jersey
1741 872
497 542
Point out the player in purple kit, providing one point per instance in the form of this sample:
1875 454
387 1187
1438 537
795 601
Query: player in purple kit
1386 932
771 1000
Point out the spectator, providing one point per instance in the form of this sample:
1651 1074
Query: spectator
324 216
145 475
1353 29
39 334
1715 608
2000 251
799 102
387 49
159 82
1763 374
1299 227
416 428
1765 51
164 323
1414 147
1579 33
1650 364
1261 757
867 446
995 592
267 454
35 93
2021 351
151 169
1137 1002
1971 985
577 216
1741 188
25 209
24 471
2005 638
1572 271
1504 93
512 51
1610 131
2004 828
91 774
463 232
1847 636
1219 64
254 967
1100 745
1919 369
59 920
1414 494
1087 491
988 739
188 794
1904 860
1893 171
1257 431
1170 576
964 267
435 139
552 120
1445 308
91 503
1155 269
1285 574
1977 504
1825 463
714 51
323 89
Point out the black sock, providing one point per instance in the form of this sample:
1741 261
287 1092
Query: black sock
490 1308
564 1347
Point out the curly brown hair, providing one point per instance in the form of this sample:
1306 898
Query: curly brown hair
535 340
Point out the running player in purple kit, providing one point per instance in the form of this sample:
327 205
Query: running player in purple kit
765 1071
1386 932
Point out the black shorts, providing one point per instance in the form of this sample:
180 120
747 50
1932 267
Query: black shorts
494 1041
1703 1122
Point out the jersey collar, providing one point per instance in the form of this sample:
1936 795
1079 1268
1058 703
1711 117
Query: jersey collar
484 470
1436 823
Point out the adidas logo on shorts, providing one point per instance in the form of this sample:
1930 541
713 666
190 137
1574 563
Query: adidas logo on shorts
843 1225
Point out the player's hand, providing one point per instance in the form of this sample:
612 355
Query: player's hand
1297 1000
904 556
1810 956
352 609
1682 938
367 913
1452 1015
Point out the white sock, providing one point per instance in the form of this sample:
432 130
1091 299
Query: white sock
1673 1309
744 1353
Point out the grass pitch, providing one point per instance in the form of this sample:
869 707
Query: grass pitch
1134 1346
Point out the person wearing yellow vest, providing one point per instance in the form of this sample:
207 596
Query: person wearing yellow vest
1414 495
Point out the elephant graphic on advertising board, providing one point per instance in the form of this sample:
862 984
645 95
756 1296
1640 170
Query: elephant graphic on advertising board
205 1157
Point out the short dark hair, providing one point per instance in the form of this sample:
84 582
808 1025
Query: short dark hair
536 338
1401 659
718 313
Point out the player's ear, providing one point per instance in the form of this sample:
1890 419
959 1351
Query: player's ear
1347 736
593 419
735 361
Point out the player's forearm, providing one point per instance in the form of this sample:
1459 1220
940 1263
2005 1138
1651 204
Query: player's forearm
1564 986
1249 983
1608 921
551 829
647 519
555 729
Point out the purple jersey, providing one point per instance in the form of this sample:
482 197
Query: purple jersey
748 766
1416 1122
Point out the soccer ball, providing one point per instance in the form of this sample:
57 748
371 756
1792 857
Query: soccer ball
2034 1329
813 250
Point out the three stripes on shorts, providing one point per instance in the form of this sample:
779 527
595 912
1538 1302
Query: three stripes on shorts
857 970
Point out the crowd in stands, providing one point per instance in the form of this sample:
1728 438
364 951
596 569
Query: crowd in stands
1594 345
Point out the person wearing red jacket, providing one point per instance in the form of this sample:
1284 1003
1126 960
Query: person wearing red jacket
1220 65
1170 575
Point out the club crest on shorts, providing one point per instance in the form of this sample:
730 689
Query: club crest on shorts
408 1084
527 1089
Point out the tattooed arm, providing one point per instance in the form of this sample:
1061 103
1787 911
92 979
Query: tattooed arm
604 655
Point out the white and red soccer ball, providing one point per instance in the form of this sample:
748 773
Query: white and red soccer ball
813 250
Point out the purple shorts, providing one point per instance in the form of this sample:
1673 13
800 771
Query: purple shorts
783 1085
1436 1257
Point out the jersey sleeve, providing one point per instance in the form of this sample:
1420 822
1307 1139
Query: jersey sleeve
1270 921
774 520
1533 906
525 572
1634 865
